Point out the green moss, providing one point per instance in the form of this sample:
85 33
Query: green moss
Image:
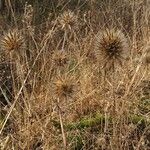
137 119
98 119
86 122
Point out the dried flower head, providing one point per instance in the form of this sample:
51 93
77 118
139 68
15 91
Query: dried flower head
60 58
68 20
12 41
64 86
111 47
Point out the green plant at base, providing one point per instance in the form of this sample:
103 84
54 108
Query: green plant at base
97 120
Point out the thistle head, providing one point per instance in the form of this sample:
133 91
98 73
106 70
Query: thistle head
12 41
64 86
68 20
111 47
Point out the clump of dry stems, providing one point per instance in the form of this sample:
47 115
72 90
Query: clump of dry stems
56 95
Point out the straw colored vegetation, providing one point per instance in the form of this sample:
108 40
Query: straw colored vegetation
75 75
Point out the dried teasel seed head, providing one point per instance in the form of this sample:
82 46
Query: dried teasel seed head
64 86
12 41
68 20
111 47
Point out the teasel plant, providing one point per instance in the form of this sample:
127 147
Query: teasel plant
65 88
13 45
68 24
12 41
112 48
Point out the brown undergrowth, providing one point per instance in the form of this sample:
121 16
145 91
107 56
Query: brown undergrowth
75 75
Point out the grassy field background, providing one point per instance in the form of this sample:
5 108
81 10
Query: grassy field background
75 75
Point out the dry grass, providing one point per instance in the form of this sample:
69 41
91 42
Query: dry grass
74 75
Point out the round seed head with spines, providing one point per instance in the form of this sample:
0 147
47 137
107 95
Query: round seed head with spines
68 20
64 87
12 41
111 47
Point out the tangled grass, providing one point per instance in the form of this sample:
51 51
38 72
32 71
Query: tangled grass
74 75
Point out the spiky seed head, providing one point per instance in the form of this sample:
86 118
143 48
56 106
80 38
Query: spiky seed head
64 87
111 47
12 41
68 20
59 58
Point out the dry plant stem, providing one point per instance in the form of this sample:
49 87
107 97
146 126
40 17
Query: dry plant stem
134 28
64 40
133 78
106 115
106 122
140 141
115 113
10 5
5 143
20 91
142 77
61 124
5 96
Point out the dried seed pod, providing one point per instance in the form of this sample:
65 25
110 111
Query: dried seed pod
68 20
12 41
111 47
64 86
